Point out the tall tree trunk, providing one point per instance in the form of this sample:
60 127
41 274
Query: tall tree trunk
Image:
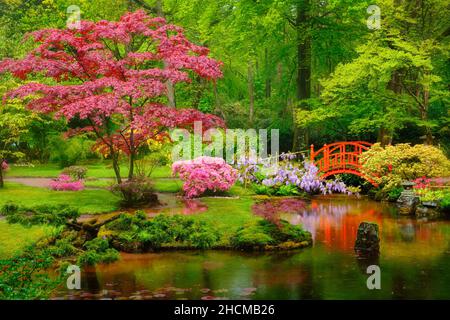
267 72
1 176
303 67
116 166
171 101
424 116
251 93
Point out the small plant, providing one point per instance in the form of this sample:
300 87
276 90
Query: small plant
135 192
66 183
98 251
394 194
263 233
445 203
76 172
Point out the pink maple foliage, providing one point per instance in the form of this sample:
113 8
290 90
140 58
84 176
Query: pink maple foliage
113 76
204 174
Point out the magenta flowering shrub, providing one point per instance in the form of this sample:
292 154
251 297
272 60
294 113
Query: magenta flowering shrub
204 174
65 183
4 166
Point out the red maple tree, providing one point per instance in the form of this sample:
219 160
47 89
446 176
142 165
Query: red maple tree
111 77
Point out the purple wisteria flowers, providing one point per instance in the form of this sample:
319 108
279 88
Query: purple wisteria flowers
305 178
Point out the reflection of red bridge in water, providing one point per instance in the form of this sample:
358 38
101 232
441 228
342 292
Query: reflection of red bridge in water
341 157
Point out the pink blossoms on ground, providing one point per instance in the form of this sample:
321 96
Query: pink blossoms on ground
204 174
65 183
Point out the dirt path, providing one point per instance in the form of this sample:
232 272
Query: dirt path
32 182
40 182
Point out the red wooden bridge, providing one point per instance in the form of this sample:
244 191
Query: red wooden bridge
341 157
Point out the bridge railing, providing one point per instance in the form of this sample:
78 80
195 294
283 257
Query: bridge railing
340 157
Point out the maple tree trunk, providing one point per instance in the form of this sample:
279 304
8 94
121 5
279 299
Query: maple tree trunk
171 94
115 160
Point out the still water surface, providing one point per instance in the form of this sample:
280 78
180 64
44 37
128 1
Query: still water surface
414 262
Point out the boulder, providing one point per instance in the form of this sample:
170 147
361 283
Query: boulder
407 202
428 212
367 240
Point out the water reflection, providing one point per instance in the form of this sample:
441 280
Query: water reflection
414 262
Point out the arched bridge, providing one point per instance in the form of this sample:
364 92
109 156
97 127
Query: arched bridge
341 157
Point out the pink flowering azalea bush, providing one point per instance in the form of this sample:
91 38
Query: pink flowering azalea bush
65 183
4 166
204 174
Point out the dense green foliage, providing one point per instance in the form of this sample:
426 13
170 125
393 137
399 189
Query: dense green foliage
22 277
43 214
391 165
265 233
134 233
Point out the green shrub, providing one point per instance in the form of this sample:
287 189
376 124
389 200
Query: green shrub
203 236
135 192
394 194
136 232
262 189
76 172
390 165
24 276
67 152
91 257
287 190
445 203
251 236
62 248
265 233
42 214
98 251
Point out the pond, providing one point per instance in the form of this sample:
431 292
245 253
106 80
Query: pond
413 261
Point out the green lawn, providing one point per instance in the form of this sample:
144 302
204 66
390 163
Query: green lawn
227 214
167 185
101 170
87 201
14 238
159 184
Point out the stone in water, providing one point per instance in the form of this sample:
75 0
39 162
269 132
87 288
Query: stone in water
368 239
